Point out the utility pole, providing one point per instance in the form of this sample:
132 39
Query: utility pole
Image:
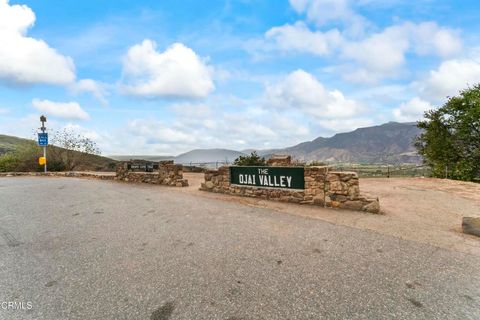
43 119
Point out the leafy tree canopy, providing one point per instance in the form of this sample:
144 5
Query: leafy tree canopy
450 142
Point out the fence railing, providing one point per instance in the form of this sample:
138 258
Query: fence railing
384 170
206 165
363 170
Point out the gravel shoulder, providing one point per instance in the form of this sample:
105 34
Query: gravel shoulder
424 210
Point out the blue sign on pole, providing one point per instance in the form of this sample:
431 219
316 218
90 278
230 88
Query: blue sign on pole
43 139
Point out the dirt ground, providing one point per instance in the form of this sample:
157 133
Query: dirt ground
424 210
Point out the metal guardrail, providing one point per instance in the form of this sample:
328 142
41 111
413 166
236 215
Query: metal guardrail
386 170
209 165
373 170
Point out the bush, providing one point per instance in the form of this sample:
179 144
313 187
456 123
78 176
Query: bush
8 162
251 160
23 158
316 163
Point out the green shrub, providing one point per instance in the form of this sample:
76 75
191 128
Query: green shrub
316 164
251 160
8 162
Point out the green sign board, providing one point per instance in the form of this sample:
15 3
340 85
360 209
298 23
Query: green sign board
142 167
268 177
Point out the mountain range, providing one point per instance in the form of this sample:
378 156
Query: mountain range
391 142
387 143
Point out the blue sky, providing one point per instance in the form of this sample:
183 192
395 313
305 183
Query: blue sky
164 77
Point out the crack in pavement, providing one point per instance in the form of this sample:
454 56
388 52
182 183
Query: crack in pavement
9 238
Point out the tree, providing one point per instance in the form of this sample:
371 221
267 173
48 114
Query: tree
74 149
450 142
251 160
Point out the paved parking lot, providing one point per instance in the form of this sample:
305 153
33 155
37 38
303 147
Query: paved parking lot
88 249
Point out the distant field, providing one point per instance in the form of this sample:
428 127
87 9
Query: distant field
384 170
363 170
140 157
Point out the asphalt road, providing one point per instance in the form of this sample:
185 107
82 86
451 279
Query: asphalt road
87 249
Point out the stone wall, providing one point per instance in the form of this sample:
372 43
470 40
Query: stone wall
280 160
322 188
167 173
70 174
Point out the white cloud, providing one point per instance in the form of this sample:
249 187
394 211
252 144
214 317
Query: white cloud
241 126
84 132
299 37
66 110
428 38
94 87
25 60
411 110
301 91
451 77
192 110
299 5
206 125
4 110
285 124
343 125
176 72
364 57
367 58
157 132
25 126
323 12
382 54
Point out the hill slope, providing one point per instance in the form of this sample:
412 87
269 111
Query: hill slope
88 162
208 155
10 143
389 142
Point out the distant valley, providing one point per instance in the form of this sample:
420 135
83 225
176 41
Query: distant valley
387 143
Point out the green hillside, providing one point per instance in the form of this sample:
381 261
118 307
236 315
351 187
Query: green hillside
29 152
9 143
